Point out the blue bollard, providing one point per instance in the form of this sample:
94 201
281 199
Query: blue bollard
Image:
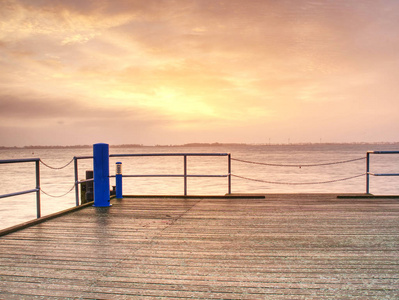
118 181
101 175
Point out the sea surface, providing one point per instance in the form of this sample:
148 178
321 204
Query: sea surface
260 177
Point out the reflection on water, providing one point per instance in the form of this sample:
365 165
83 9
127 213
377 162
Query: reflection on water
19 177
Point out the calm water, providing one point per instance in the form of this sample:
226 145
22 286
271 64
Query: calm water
19 177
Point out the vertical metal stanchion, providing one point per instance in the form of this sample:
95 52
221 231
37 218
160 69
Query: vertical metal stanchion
118 180
229 175
101 175
38 210
75 164
368 173
185 175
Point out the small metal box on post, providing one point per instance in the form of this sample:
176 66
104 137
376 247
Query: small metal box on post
118 180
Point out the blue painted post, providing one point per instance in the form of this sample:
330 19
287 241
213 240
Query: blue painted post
101 175
118 182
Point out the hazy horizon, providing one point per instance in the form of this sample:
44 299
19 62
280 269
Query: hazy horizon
215 144
175 72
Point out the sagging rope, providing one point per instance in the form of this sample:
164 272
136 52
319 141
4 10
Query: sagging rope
298 166
57 168
298 183
58 196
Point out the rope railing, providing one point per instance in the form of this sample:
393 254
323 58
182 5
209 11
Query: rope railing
243 177
76 183
56 168
298 183
58 196
298 165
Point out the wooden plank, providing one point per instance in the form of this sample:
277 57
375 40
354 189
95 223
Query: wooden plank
302 246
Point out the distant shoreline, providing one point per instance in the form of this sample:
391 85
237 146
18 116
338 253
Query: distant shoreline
194 145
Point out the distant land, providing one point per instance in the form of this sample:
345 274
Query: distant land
194 145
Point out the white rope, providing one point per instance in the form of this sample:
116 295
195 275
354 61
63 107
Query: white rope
298 166
56 168
298 183
57 196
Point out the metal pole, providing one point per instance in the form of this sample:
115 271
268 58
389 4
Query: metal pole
368 174
229 170
75 163
185 175
38 214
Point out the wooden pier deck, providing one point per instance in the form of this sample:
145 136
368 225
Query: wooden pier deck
292 246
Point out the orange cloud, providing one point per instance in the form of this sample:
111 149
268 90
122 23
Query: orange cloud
210 69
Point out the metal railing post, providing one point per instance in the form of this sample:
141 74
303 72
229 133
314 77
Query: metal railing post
38 210
229 173
368 173
75 161
185 175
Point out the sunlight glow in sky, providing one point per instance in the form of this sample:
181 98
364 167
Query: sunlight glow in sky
172 72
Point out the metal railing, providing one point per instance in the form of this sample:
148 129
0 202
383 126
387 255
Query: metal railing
368 173
35 190
185 175
76 171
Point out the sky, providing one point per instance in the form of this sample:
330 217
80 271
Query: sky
198 71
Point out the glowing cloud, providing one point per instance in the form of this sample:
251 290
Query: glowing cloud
198 71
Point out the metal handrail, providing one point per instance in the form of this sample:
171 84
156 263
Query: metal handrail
169 154
368 173
35 190
77 181
185 175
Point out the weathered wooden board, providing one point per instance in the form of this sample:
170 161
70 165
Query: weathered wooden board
287 246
